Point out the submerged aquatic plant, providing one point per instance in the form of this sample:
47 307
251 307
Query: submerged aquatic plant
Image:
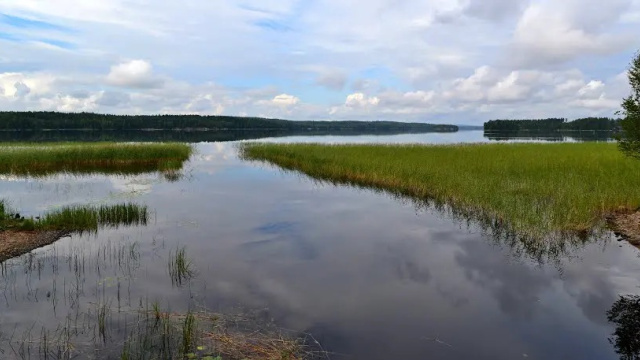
180 267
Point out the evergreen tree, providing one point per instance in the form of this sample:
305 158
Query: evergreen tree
629 139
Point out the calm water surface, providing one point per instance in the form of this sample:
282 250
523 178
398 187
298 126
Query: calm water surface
369 275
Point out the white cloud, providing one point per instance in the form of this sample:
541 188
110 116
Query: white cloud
472 88
16 84
361 100
285 100
552 33
134 74
594 87
443 60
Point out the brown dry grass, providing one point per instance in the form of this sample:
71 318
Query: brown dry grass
626 225
239 337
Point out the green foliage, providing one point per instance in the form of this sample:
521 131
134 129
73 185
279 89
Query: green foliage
80 158
88 121
535 190
629 140
625 315
77 218
552 125
87 218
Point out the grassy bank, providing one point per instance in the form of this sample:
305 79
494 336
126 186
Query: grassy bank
20 235
83 158
533 190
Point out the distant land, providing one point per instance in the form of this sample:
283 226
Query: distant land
553 125
56 121
470 127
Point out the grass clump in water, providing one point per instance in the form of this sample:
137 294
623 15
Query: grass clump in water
20 235
88 218
535 190
88 158
180 267
76 218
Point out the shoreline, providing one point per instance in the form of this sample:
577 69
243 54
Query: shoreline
626 225
17 243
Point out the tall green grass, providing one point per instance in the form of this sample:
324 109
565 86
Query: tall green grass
534 190
82 158
76 218
88 218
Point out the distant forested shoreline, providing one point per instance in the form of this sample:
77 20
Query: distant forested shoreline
38 121
553 125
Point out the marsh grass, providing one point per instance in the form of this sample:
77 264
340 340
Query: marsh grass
532 190
88 218
208 336
76 218
180 267
90 158
95 322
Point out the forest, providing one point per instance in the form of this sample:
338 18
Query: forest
35 121
553 124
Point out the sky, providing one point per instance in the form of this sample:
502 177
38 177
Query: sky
438 61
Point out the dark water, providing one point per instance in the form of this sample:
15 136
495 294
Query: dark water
368 275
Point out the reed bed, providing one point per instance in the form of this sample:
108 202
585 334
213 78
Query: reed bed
75 218
87 158
534 190
87 218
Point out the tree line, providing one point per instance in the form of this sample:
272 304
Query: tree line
553 124
34 121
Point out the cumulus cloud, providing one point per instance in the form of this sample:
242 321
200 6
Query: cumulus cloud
134 74
20 84
460 61
21 89
285 100
361 100
472 88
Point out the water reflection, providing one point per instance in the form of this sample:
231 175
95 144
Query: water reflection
558 136
625 314
297 136
181 136
369 276
551 249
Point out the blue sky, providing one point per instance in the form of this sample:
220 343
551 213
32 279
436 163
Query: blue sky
453 61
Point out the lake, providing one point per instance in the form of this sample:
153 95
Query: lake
368 275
